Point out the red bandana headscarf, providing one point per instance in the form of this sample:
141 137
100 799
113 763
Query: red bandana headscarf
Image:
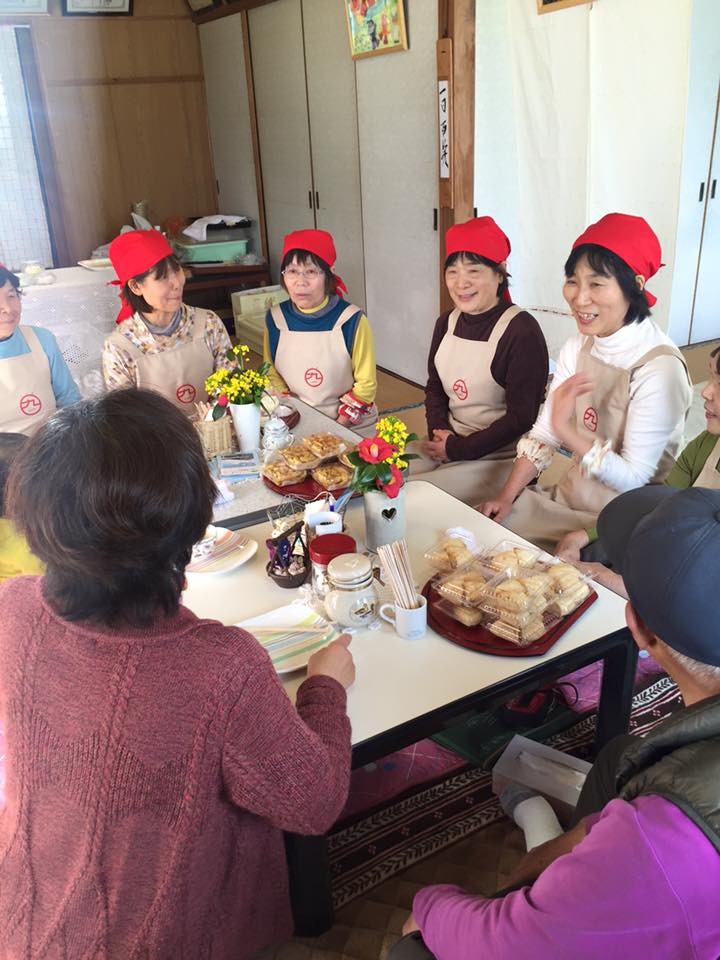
631 239
319 242
482 236
134 253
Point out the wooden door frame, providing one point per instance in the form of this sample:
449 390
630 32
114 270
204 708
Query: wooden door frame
456 23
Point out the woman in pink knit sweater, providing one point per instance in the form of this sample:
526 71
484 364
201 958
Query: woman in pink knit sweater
153 758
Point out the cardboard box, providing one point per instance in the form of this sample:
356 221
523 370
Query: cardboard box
555 775
249 309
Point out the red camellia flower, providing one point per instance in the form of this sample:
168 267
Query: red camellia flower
222 401
392 489
375 450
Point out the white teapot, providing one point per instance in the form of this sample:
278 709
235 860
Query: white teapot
276 435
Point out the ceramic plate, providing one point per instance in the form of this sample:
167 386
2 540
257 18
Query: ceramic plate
291 635
232 550
95 264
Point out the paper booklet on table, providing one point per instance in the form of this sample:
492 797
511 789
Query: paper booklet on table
558 776
291 634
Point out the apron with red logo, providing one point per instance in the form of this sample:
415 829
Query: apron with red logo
179 372
27 398
475 400
546 514
316 365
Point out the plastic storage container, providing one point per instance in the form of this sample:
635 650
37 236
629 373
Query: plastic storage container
210 251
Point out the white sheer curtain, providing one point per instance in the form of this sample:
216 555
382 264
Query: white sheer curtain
23 223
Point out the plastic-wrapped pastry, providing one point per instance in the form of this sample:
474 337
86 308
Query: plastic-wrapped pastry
521 619
522 636
465 587
325 445
569 600
468 616
449 554
564 577
513 559
511 594
281 474
300 457
332 476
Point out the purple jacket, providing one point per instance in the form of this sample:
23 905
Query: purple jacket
643 883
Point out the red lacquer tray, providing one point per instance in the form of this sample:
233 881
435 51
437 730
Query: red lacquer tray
480 639
308 490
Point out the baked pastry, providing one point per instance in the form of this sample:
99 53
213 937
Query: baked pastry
282 474
325 445
464 587
517 594
522 636
569 600
343 458
332 476
513 559
564 577
465 615
451 553
299 456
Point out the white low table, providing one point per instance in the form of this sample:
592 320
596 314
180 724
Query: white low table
252 497
406 690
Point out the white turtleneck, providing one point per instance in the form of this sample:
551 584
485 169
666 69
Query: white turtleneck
660 397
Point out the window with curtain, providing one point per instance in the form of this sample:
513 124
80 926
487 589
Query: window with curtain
24 232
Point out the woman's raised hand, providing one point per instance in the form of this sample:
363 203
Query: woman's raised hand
334 660
562 401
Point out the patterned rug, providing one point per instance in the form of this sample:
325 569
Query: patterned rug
388 841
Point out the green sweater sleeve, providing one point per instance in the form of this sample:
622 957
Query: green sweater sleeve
689 464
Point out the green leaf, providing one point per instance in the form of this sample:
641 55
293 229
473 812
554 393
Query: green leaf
410 438
367 473
229 355
263 368
410 456
218 411
384 473
355 459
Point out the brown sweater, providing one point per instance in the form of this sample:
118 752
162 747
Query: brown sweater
520 366
149 775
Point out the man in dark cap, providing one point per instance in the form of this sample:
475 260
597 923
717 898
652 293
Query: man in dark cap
638 873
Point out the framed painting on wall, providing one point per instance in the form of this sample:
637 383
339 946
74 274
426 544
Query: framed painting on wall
22 7
548 6
375 26
97 8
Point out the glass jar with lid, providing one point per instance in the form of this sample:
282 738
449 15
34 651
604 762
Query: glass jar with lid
323 549
352 598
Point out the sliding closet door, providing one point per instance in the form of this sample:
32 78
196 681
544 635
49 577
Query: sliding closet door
706 319
281 99
332 103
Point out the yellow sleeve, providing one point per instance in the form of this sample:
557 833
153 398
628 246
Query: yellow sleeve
363 362
276 381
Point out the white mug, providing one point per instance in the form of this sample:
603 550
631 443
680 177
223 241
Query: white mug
409 624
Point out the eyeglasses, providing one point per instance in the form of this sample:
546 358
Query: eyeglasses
311 273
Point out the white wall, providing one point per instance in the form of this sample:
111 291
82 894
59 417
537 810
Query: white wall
221 43
588 104
397 124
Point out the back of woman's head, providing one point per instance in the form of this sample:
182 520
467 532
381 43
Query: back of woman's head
111 494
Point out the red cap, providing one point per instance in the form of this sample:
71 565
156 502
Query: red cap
630 238
319 242
325 548
134 253
481 236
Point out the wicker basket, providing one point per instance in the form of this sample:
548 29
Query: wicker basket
216 436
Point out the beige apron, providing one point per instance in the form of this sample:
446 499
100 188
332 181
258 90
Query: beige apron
709 476
475 401
316 365
27 398
178 373
546 514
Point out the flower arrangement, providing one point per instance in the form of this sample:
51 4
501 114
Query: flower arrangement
379 461
236 383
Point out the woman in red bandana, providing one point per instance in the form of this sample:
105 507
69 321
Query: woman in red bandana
320 346
619 396
487 369
160 342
